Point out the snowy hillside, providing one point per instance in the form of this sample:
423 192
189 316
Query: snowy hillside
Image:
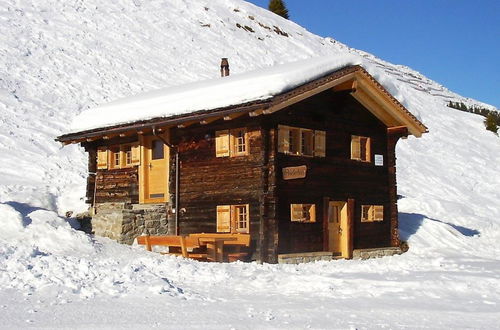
58 58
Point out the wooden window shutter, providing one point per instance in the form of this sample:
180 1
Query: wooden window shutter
319 143
222 143
223 218
355 147
102 158
368 155
296 212
283 139
312 213
365 213
136 154
378 212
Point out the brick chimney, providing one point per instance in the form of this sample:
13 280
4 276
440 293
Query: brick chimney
224 67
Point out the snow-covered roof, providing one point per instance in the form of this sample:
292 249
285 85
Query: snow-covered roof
267 85
210 94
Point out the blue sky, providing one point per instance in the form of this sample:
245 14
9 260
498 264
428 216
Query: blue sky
454 42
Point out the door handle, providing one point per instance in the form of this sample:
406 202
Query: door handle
150 166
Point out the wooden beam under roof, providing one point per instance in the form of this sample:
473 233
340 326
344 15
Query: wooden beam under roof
187 123
256 113
375 108
385 102
350 85
207 121
234 115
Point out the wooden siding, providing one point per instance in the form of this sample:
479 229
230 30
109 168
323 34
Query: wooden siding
117 185
207 181
336 176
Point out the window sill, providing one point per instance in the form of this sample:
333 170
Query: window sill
299 155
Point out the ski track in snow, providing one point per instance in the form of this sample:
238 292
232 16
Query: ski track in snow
59 58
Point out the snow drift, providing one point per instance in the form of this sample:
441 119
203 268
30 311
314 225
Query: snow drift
60 58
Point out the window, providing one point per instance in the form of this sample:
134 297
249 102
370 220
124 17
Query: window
128 155
231 143
306 142
303 212
360 148
118 156
301 141
294 141
233 218
241 214
239 138
114 157
371 213
157 150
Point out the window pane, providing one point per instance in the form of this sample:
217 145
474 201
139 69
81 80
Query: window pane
240 142
115 157
242 217
294 140
157 150
128 155
307 143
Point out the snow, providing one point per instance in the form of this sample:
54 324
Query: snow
60 58
210 94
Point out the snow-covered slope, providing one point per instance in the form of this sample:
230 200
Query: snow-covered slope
58 58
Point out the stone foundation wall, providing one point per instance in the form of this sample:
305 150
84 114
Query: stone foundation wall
123 222
298 258
376 253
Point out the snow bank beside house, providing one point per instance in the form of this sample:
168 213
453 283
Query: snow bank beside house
54 276
41 252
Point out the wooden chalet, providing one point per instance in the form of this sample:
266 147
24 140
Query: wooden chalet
310 171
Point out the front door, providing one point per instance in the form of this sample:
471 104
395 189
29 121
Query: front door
338 231
154 170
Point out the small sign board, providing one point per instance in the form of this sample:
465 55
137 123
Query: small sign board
296 172
379 160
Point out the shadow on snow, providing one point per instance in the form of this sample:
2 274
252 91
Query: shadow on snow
409 223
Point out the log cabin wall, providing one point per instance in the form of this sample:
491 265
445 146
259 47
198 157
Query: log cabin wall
392 140
121 185
335 176
207 181
113 185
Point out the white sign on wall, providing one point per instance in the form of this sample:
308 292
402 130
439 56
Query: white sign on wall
379 160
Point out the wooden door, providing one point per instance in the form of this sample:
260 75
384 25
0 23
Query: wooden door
338 231
154 183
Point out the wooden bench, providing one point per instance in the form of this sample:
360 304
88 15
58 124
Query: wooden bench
215 244
172 241
233 242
